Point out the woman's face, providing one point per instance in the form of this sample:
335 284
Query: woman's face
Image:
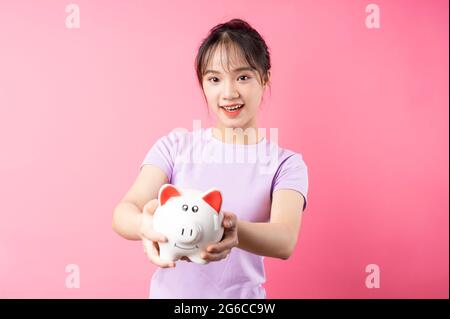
236 86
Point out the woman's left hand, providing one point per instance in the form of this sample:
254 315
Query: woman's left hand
229 240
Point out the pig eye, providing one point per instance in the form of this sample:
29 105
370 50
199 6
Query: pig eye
185 207
195 209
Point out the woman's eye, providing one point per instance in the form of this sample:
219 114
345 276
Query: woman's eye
214 78
195 209
243 76
185 207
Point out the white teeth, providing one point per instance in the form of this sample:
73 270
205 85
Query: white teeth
232 108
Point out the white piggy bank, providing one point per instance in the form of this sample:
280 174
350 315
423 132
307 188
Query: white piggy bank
191 220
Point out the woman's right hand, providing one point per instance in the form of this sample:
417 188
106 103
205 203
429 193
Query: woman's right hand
150 238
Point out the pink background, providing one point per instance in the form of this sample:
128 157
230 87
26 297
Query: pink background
367 108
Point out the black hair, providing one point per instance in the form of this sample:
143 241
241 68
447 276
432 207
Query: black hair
238 36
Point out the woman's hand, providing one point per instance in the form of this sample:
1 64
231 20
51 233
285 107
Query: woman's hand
229 240
149 237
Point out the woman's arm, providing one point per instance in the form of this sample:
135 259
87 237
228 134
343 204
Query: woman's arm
128 212
277 238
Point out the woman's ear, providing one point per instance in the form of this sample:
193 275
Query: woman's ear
267 79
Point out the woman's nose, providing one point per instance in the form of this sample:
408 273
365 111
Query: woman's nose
230 92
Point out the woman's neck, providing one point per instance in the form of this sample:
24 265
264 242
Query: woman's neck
229 135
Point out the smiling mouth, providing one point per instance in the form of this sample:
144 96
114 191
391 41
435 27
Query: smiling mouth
232 109
185 248
232 112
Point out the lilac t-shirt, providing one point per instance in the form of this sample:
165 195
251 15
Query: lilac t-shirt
246 175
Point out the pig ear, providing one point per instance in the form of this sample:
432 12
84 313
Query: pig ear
214 199
166 192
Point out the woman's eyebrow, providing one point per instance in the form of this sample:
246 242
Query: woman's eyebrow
243 68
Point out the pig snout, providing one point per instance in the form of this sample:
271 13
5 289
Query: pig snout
188 233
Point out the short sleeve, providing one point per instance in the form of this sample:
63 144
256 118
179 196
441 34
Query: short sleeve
162 154
292 174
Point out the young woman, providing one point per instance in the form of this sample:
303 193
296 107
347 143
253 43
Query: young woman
263 198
